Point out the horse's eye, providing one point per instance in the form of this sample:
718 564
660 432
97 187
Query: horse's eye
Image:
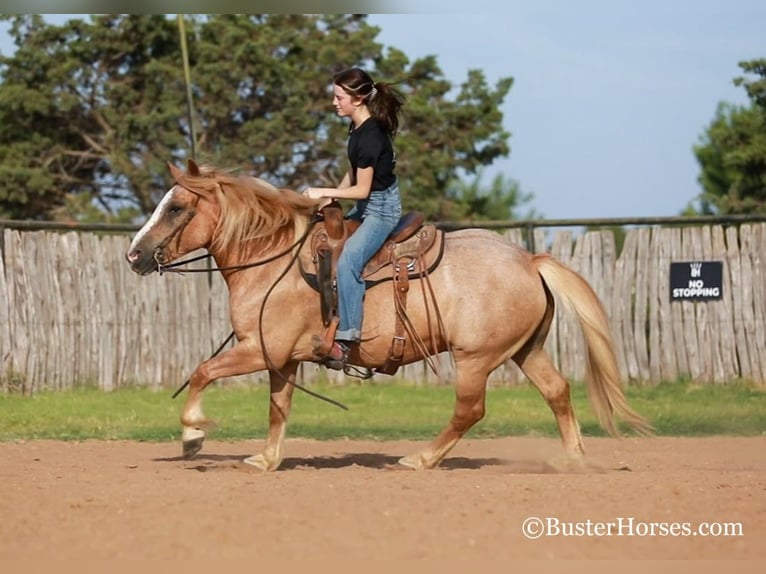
175 209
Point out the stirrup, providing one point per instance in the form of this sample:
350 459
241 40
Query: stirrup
337 357
354 371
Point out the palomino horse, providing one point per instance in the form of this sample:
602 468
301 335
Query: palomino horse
495 301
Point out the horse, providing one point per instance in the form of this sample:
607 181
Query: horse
495 300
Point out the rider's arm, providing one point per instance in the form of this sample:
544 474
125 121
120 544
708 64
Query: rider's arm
358 191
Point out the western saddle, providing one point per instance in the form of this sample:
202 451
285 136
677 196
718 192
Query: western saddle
411 251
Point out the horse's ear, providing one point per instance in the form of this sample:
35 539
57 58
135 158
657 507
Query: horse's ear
192 168
175 173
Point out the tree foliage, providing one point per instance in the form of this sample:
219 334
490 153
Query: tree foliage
92 111
471 200
732 151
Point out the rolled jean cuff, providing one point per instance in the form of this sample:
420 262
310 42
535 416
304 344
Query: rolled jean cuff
352 335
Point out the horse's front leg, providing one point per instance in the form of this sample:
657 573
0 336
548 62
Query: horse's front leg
281 383
243 358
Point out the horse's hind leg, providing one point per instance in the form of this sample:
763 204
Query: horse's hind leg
554 388
279 411
470 395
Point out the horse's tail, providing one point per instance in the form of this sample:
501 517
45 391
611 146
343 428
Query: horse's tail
603 375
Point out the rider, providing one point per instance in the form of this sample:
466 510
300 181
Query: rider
374 109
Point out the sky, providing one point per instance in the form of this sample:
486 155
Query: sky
609 97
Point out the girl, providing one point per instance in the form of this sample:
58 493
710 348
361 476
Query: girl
374 110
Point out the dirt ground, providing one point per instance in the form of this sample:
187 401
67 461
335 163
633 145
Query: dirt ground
347 499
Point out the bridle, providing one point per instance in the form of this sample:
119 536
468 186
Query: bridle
176 231
173 267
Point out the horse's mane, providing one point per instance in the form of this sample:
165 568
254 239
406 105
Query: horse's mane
251 210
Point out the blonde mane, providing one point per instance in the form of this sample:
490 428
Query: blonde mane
253 212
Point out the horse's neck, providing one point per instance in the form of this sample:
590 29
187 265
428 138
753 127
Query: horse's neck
262 258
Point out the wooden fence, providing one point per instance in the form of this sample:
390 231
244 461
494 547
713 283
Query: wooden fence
73 313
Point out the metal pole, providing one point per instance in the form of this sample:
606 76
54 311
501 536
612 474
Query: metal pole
187 79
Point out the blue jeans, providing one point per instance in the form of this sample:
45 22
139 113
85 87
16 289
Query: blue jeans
379 214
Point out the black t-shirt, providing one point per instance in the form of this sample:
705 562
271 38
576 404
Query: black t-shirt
370 145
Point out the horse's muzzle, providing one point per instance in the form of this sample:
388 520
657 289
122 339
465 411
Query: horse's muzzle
142 262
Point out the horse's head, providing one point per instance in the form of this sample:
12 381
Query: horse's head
183 221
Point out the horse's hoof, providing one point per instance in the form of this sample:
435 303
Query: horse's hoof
412 461
261 463
568 464
192 446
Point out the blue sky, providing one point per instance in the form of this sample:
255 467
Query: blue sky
608 97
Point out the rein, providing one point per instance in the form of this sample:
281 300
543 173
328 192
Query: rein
172 268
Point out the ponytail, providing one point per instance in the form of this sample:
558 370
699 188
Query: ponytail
382 99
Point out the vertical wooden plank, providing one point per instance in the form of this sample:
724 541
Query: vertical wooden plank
68 310
593 264
757 250
6 363
610 297
38 311
608 259
138 290
580 263
724 309
103 298
669 368
701 312
17 325
59 304
607 272
735 274
27 311
625 278
654 293
640 294
37 284
515 236
49 279
748 304
751 318
114 265
688 325
79 258
677 309
712 331
690 339
616 299
91 336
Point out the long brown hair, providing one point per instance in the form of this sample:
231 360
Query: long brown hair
382 99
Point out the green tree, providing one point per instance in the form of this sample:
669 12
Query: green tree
88 109
732 152
471 200
91 112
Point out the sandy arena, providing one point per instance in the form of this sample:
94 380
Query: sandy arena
347 499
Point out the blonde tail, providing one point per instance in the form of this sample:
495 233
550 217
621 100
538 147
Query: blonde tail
603 376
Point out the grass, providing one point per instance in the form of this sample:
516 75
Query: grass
376 411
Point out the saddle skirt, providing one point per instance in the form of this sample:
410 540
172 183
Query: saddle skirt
412 245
